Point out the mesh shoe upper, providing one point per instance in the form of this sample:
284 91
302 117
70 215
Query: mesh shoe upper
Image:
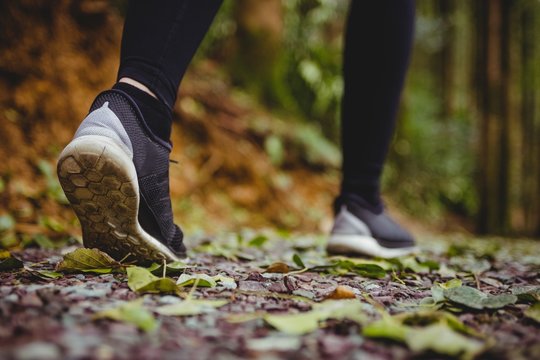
151 160
354 216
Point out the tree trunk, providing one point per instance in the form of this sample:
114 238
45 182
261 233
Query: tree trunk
494 158
530 118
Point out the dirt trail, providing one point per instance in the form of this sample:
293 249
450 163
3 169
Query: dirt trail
46 319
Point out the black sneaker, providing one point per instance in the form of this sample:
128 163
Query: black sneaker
115 174
361 229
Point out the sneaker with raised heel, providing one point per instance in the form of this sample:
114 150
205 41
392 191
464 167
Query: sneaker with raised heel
115 174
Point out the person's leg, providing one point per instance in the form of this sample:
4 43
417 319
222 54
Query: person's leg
115 172
378 42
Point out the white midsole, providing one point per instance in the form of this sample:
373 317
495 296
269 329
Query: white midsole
364 245
101 145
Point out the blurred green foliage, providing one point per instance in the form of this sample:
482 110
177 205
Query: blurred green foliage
431 163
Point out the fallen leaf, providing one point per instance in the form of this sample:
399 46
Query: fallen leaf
274 343
237 318
258 241
306 322
295 324
386 328
342 292
131 312
410 263
533 312
202 280
225 281
437 290
499 301
527 293
475 299
423 318
437 331
350 309
143 281
298 261
173 268
190 307
44 274
278 267
441 339
87 260
9 262
451 284
369 270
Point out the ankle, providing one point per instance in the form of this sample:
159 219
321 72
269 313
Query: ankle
138 85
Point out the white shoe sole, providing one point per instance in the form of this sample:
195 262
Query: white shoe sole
100 181
364 245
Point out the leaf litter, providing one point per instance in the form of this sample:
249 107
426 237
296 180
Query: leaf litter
261 294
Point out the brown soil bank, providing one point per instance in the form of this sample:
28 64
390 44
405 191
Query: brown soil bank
55 56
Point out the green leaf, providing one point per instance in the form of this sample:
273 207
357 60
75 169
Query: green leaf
131 312
258 241
441 339
306 322
423 318
428 301
202 280
298 261
527 293
173 268
350 309
51 224
437 293
437 290
190 307
275 149
476 299
366 269
499 301
43 241
294 324
205 280
9 262
143 281
369 270
430 264
87 260
387 328
454 283
386 264
7 223
44 274
533 312
410 263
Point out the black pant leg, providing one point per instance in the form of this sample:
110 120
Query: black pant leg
378 42
160 39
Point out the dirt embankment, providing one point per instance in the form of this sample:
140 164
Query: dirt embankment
55 56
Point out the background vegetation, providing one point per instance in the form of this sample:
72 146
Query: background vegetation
467 141
258 115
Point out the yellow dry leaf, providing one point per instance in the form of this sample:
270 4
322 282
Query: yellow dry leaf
278 267
342 292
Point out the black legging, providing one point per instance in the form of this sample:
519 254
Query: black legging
159 42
